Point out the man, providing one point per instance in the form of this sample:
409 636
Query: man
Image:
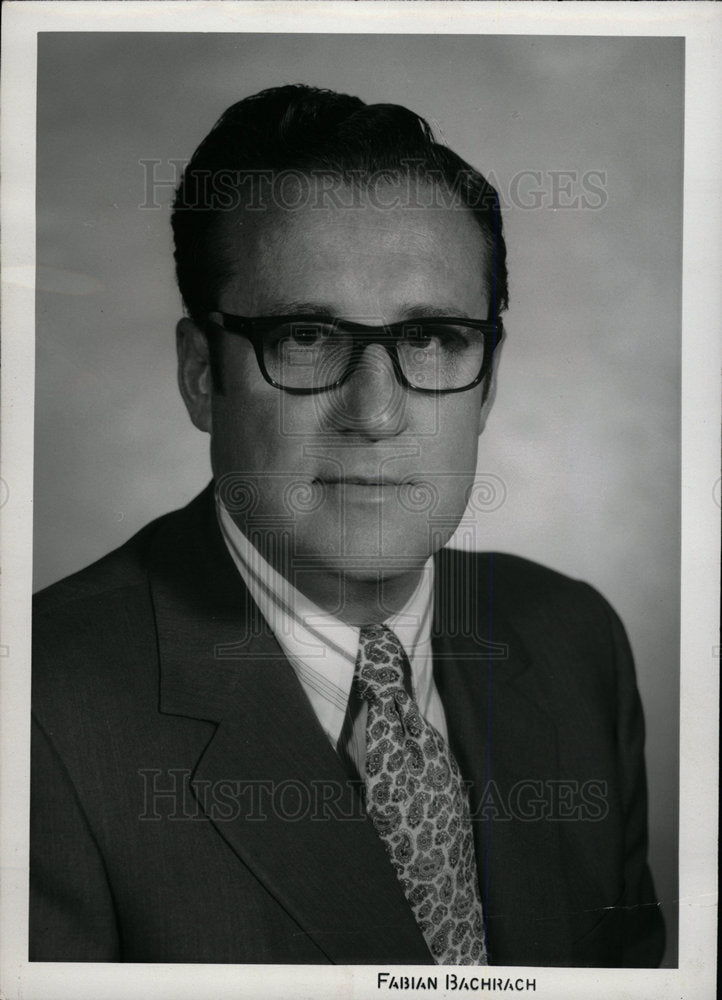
285 724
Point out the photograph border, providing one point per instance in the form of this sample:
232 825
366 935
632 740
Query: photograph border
701 26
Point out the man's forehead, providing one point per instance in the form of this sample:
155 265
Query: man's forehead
379 220
372 253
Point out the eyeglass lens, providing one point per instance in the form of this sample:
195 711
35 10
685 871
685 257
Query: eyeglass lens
306 355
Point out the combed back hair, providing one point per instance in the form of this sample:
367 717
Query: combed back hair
298 131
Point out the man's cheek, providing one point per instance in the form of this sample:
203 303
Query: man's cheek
441 495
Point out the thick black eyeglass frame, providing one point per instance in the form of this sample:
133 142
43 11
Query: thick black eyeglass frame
254 328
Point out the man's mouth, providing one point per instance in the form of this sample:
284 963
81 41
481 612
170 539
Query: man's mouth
358 480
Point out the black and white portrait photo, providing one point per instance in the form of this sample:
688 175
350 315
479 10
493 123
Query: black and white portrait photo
351 593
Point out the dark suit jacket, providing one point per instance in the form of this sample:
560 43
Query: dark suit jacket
154 672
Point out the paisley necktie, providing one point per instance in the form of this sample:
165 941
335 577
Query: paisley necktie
416 800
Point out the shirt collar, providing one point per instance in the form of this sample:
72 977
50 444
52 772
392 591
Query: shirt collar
320 647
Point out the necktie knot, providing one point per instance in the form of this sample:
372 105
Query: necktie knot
381 663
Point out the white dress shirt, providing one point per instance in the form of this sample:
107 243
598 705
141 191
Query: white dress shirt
322 649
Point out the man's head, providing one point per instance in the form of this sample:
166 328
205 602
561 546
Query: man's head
312 203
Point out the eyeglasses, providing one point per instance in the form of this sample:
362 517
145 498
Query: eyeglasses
306 354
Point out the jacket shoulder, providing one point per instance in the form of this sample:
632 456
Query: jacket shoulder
123 568
88 627
551 615
516 583
97 626
118 569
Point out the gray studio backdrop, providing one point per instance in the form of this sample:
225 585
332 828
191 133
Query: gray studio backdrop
579 462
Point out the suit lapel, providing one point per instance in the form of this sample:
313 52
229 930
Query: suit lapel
506 748
296 821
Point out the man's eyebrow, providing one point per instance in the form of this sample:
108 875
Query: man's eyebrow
301 308
405 311
428 311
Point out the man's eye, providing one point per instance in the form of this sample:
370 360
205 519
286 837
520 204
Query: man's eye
417 335
299 334
440 335
418 338
306 335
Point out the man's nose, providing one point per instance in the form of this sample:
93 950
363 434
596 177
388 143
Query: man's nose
371 403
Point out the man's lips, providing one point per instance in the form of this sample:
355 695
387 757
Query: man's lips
356 480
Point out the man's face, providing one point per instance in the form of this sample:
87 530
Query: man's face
369 475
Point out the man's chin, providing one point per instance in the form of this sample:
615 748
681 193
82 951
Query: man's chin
367 556
371 571
358 588
364 541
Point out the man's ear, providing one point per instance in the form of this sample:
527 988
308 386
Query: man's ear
489 390
194 373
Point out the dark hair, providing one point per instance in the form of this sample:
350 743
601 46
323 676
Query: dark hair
305 131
